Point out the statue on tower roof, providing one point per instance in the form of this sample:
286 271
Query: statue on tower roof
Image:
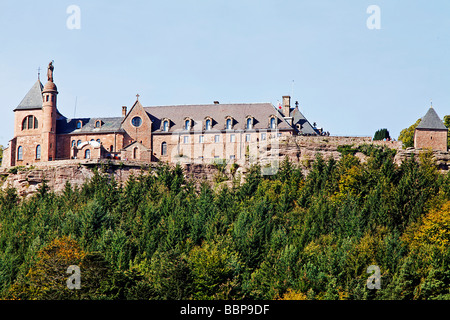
50 71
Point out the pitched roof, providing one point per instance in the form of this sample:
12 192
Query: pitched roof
107 125
305 126
260 112
431 121
33 99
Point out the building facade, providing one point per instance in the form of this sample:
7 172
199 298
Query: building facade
156 133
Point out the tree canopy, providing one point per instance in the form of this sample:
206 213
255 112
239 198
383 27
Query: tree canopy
286 236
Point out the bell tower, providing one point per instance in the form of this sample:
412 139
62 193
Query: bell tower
49 114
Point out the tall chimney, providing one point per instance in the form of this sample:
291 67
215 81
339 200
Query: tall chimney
124 111
286 105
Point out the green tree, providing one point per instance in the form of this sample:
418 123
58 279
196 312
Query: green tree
381 134
407 135
447 124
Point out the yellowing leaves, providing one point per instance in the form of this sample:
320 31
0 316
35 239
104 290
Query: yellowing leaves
434 230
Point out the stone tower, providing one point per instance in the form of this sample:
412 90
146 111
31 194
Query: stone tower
49 115
431 132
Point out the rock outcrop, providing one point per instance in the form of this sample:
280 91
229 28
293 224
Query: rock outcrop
301 150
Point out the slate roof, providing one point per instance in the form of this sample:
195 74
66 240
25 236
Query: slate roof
305 126
113 124
260 112
33 99
431 121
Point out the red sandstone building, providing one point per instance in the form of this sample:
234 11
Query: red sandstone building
431 132
159 133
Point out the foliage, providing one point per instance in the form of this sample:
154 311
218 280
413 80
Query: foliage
407 135
283 236
381 134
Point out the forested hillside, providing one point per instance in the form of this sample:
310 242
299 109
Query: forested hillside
273 237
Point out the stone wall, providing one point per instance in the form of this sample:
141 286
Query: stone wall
428 138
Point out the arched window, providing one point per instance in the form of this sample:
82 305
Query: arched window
38 152
20 153
187 124
111 149
164 149
273 123
135 151
208 124
166 125
29 122
79 124
98 140
249 123
87 154
229 124
73 143
78 142
98 124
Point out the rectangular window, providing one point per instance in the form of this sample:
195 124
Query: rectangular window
216 138
247 138
232 138
186 139
200 139
263 136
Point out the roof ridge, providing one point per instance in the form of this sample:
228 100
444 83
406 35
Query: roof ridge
209 104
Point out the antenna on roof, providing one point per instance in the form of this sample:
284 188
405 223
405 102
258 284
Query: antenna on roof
431 101
292 89
39 72
75 108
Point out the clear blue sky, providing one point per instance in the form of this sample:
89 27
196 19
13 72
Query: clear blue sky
349 79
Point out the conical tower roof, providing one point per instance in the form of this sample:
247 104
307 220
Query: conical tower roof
33 99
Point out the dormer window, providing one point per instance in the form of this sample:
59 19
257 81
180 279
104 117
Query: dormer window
208 124
273 122
79 124
187 124
249 124
165 125
229 123
98 124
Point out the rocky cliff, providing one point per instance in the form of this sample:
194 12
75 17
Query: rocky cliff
301 150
